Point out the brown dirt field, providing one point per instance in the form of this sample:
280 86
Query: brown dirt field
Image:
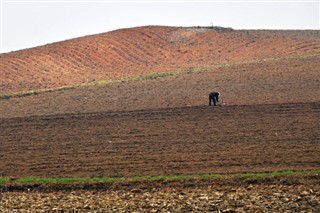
188 140
266 82
163 126
143 50
270 122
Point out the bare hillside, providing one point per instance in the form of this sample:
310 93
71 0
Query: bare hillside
144 50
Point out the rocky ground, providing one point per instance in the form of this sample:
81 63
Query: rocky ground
273 194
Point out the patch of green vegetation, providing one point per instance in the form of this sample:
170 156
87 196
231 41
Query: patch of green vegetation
5 96
4 180
155 75
18 94
305 56
146 77
251 175
50 180
66 179
161 177
36 92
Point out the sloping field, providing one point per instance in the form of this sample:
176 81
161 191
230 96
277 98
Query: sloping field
164 126
292 80
144 50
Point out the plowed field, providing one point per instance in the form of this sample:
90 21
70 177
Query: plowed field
163 126
293 80
186 140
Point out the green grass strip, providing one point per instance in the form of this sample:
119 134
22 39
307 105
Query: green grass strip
147 77
161 177
4 180
306 56
65 180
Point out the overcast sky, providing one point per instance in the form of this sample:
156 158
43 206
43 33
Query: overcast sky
26 23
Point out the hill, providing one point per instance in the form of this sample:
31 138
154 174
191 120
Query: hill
145 50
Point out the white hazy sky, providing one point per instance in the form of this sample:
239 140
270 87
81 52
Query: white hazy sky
26 23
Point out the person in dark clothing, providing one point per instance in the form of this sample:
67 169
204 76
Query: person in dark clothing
214 96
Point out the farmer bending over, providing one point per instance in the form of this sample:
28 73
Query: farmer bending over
214 96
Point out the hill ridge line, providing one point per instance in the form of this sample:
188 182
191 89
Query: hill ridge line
142 51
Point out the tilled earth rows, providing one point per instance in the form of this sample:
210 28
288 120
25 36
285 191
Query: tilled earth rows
190 140
163 126
144 50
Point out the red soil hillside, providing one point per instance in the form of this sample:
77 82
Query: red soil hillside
144 50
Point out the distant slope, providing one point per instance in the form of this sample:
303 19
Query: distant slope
277 82
144 50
